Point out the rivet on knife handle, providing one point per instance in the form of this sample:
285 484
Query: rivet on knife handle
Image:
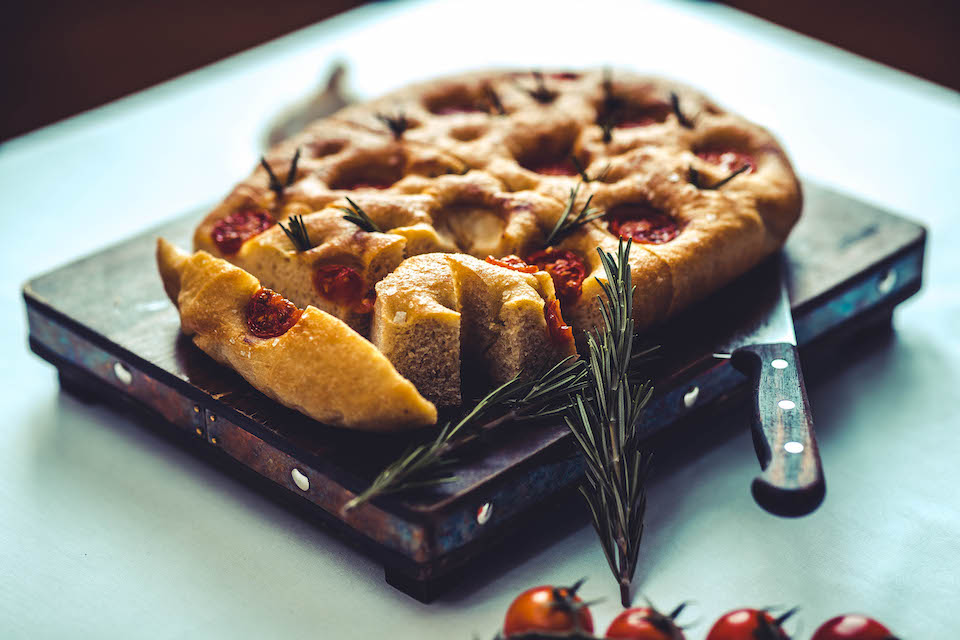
791 483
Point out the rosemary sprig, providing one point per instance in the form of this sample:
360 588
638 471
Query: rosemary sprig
604 420
565 224
696 178
397 124
359 217
681 118
275 185
425 464
609 108
493 99
297 232
583 171
540 92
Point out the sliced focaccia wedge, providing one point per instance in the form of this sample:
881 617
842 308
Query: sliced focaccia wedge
305 359
438 312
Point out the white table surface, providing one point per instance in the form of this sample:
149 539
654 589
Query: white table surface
108 530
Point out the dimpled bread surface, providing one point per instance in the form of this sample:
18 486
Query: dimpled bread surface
485 164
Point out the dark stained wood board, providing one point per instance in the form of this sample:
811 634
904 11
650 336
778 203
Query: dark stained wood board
845 259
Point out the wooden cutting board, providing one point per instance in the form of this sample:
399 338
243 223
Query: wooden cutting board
106 324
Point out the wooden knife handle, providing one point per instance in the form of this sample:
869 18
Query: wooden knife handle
791 483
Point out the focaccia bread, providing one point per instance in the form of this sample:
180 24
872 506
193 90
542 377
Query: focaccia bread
437 309
495 165
305 359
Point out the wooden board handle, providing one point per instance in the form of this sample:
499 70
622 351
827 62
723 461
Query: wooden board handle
791 483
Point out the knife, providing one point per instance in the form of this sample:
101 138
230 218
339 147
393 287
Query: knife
765 349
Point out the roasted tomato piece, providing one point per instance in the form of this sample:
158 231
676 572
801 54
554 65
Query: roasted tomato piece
565 267
514 263
560 331
231 232
459 108
551 166
342 285
642 223
728 160
548 609
269 314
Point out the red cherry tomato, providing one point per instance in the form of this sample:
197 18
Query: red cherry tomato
231 232
565 267
269 314
749 624
728 160
644 623
551 609
642 223
342 285
852 627
560 332
512 262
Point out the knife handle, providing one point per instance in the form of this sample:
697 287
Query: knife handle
791 483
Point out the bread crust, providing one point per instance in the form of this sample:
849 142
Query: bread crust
320 366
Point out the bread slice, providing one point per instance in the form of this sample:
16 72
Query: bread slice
439 312
318 366
416 325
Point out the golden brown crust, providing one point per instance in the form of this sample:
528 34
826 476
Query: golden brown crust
320 366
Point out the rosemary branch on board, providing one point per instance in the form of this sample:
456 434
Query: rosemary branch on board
275 185
681 118
565 224
696 179
359 217
604 419
424 465
297 232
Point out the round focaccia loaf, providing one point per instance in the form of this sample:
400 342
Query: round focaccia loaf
495 164
486 163
314 363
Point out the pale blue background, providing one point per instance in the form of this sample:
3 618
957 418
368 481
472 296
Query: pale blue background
107 530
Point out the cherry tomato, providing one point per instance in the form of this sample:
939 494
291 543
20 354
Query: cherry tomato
560 332
642 223
342 285
749 624
231 232
551 609
269 314
512 262
645 623
565 267
852 627
728 159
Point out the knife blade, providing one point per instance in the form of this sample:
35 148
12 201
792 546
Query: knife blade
764 347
